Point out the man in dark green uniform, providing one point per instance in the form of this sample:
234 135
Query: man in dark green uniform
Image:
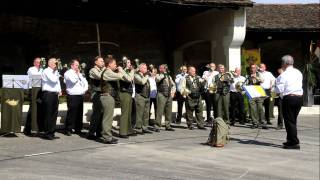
109 90
142 102
125 95
166 89
222 98
96 116
192 87
256 104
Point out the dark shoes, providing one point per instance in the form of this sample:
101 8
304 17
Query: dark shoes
254 126
169 129
50 137
146 131
279 127
156 130
124 136
269 123
202 128
190 127
91 137
27 133
111 141
296 146
68 133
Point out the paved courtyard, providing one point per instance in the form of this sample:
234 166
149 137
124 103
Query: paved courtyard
251 154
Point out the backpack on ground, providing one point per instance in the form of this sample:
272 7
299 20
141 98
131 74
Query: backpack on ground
219 135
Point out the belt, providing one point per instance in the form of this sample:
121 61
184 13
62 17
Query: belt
105 94
50 92
298 95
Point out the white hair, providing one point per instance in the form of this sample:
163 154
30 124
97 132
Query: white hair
287 59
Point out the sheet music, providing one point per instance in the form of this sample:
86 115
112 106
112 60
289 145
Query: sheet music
15 81
35 81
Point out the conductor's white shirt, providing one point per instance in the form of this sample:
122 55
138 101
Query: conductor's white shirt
289 82
50 80
76 84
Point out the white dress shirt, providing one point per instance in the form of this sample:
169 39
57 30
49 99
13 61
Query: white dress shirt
289 82
268 78
153 87
50 80
76 84
209 77
235 81
178 79
33 71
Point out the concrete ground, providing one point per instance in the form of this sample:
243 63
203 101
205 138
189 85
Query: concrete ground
251 154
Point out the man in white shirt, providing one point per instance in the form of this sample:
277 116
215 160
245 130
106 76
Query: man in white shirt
76 86
51 91
267 84
236 97
209 96
180 98
153 94
289 86
34 70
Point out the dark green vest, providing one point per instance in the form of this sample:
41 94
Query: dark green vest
223 87
254 81
110 87
95 84
126 86
163 86
194 86
143 90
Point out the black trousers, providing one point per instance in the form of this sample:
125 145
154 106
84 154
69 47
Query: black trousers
74 113
209 99
266 104
180 101
50 106
154 102
291 106
237 105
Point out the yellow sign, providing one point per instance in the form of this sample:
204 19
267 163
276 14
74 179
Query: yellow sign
249 56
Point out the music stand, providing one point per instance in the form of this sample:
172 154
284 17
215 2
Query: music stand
15 81
254 91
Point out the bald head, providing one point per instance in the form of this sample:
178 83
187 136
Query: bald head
52 63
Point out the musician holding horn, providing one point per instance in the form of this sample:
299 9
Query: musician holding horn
236 97
192 87
256 104
125 95
222 97
142 101
210 91
166 90
51 90
180 99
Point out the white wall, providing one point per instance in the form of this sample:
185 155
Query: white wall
224 28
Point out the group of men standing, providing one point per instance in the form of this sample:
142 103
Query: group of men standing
219 88
111 83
